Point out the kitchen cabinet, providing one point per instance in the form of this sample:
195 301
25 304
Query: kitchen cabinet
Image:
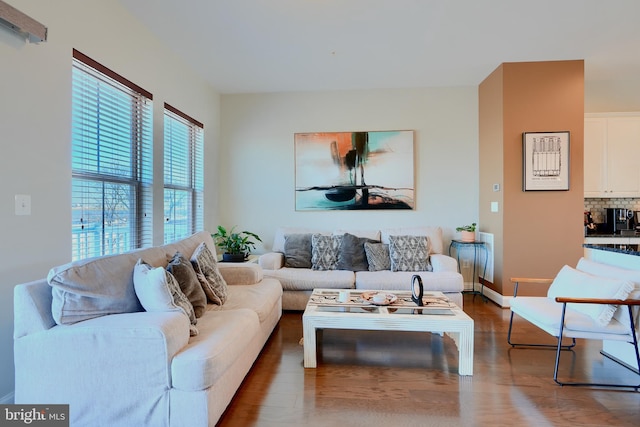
611 161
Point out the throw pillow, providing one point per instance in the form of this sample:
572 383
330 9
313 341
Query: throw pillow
211 280
377 256
180 267
576 284
159 291
352 255
409 253
324 251
297 250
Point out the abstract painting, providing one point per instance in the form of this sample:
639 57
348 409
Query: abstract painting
354 170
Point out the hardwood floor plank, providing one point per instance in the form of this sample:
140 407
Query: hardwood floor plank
373 378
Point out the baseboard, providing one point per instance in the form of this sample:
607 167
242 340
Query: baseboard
501 300
7 399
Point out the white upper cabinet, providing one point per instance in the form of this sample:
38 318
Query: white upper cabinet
612 156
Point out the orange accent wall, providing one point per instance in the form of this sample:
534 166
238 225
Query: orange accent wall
535 232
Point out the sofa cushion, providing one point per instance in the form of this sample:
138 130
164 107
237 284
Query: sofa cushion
297 250
261 298
304 279
377 256
95 287
159 291
352 255
409 253
182 269
324 251
433 233
206 268
570 282
444 281
224 337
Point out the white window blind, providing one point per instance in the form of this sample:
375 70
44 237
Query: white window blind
183 174
111 161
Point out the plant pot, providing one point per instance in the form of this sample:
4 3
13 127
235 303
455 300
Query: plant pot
233 257
468 236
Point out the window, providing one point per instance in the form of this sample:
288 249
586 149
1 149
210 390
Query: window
183 175
111 161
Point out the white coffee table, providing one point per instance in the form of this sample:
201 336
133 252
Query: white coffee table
323 311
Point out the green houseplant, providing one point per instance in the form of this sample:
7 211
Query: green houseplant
235 246
467 232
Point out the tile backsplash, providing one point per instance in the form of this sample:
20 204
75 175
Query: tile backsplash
597 206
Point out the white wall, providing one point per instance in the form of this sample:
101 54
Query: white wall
35 111
257 131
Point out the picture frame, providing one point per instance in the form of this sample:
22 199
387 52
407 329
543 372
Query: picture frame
545 161
361 170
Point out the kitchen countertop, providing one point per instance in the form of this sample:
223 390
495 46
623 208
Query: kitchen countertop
623 249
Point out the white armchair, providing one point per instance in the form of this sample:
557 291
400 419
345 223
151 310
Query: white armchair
581 305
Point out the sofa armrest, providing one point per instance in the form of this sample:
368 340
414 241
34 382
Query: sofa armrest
106 357
271 260
240 273
441 262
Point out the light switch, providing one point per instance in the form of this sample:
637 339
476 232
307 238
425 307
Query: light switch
494 206
23 204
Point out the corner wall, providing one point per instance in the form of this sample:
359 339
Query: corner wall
540 231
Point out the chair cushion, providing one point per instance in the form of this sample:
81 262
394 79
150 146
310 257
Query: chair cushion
545 313
577 284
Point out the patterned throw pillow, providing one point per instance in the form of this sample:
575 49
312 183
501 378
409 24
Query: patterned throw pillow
159 291
206 268
377 256
409 253
180 267
324 251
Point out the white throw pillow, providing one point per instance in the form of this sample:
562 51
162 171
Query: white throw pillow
573 283
159 291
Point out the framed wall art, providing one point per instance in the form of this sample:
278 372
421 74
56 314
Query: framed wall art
545 161
354 170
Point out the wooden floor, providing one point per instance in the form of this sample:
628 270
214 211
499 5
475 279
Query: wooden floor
369 378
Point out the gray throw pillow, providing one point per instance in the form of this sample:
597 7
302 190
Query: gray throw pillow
180 267
297 250
377 256
409 253
158 291
352 256
206 268
324 251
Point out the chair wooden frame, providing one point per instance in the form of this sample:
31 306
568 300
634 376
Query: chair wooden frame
633 340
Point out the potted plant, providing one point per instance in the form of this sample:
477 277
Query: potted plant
467 232
235 246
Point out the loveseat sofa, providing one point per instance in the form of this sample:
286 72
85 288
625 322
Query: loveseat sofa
86 340
293 252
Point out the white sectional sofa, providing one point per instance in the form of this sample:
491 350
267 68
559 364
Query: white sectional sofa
134 367
298 283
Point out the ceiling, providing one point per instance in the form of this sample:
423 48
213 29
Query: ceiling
247 46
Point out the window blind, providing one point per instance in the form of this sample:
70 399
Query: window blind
111 162
183 174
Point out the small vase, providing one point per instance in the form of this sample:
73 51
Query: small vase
468 236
